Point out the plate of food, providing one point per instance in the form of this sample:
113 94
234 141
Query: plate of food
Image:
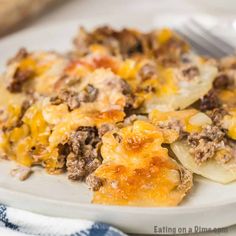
127 126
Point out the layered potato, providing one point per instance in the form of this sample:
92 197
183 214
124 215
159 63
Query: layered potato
133 114
138 170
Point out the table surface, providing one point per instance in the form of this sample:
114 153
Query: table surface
74 9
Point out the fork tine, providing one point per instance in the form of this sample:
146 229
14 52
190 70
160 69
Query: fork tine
222 43
196 44
203 41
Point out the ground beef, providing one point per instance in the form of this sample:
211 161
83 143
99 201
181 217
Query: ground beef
63 151
173 124
125 87
94 182
191 72
125 42
21 54
186 178
79 167
147 71
147 89
127 91
24 107
75 167
205 144
73 99
84 155
89 94
209 101
85 135
19 78
128 42
21 172
105 36
169 53
203 151
222 81
168 61
105 128
217 115
211 133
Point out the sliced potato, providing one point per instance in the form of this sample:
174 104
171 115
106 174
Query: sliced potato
137 170
211 169
187 92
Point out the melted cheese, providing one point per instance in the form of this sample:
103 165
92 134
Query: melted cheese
227 96
229 123
46 67
164 35
137 171
187 119
45 126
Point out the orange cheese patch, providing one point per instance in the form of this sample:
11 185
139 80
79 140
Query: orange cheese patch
137 170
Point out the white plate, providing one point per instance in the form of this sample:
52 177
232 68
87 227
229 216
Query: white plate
209 204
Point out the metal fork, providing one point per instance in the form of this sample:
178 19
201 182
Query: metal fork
203 41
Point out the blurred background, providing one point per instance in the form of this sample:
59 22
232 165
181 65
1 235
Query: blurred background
16 15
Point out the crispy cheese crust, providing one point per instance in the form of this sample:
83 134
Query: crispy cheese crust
137 170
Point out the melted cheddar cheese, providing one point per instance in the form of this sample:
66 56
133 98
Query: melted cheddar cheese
227 96
229 123
137 170
110 76
44 127
191 119
45 69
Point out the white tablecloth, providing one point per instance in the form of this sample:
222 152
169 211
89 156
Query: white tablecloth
147 9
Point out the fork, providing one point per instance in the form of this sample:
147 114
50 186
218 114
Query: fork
203 41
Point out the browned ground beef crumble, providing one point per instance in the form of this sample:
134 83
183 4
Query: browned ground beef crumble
20 77
173 124
222 81
217 115
205 144
84 156
128 43
191 72
21 54
209 101
73 99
